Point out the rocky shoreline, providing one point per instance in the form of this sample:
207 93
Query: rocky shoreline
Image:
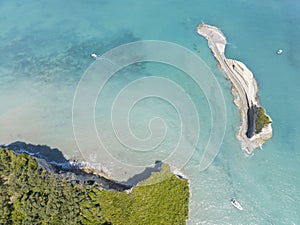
244 90
53 161
68 195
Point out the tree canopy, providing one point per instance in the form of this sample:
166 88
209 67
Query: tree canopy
30 195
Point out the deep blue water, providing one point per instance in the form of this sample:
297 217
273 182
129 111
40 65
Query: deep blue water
45 49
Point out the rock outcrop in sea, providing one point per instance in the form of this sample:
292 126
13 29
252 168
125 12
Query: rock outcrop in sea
256 126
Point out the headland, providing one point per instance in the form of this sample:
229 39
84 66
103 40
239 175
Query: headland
37 190
256 126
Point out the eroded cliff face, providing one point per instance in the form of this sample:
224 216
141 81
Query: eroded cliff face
53 161
251 117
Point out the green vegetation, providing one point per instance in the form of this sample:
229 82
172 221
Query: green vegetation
261 120
30 195
157 177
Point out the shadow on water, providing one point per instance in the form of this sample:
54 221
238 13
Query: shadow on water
51 155
144 174
53 160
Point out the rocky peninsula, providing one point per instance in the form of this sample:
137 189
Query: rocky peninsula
256 126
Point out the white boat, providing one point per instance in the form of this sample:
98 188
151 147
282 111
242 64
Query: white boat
236 204
279 51
94 56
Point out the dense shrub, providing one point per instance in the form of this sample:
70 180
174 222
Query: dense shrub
261 120
30 195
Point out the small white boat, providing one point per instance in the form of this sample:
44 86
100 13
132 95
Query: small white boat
236 204
94 56
279 51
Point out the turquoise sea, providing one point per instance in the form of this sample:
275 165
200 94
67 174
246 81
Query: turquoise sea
45 49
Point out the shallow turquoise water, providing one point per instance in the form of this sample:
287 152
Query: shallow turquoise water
45 48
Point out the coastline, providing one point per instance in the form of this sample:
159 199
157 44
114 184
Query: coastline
53 161
244 90
33 194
